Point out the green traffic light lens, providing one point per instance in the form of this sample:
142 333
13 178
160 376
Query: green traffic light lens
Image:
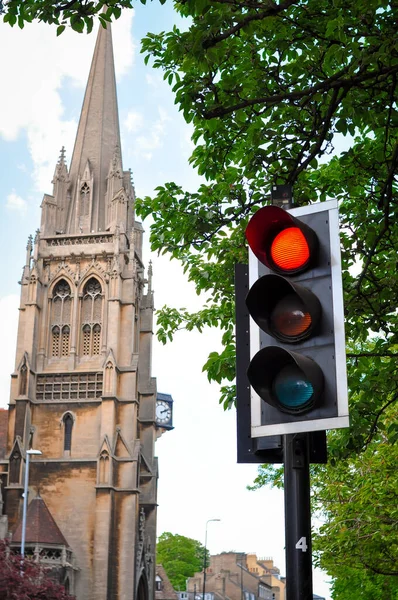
292 389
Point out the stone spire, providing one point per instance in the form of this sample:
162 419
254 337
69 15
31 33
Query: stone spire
61 170
97 137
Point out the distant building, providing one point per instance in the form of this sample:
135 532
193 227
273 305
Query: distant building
237 576
163 588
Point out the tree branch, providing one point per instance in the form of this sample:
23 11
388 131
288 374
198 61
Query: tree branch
272 11
332 82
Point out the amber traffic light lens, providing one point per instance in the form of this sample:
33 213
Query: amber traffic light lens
289 249
290 318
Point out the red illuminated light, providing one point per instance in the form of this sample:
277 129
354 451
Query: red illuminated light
289 249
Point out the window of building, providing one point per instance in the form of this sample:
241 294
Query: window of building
61 310
104 467
84 200
23 382
158 584
91 319
15 467
68 426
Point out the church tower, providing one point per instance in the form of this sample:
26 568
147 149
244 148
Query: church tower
82 391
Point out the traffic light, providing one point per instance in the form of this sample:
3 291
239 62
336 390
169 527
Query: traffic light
297 369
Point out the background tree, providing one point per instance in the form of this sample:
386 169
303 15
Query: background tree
32 583
181 557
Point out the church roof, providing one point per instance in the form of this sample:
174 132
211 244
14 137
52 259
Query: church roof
3 432
98 132
40 526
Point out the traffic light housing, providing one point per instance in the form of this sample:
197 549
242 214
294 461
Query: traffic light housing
297 370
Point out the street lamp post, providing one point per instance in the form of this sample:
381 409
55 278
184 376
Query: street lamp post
25 497
241 577
204 559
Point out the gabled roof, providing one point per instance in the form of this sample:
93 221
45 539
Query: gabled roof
40 526
3 432
167 592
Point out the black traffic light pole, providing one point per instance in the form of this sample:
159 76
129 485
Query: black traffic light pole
297 487
297 517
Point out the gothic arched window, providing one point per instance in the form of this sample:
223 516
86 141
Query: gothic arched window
61 311
15 467
104 467
91 322
84 200
23 381
68 426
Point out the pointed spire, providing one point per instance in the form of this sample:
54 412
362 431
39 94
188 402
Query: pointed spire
29 247
98 132
61 160
150 273
61 170
115 168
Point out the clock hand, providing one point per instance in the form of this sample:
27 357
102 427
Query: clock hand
164 410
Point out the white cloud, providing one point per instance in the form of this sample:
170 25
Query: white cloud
134 121
8 326
49 61
123 43
16 203
153 138
155 81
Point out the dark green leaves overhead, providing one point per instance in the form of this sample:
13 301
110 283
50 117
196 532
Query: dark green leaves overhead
76 14
290 92
301 93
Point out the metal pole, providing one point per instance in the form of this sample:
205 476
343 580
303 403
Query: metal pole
241 581
25 502
204 566
204 559
25 505
297 517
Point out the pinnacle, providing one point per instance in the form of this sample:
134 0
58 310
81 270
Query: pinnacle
61 160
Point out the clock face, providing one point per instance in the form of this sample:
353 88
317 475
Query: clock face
163 412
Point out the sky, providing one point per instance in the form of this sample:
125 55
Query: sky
43 79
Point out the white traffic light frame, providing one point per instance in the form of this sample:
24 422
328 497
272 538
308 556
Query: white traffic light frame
341 418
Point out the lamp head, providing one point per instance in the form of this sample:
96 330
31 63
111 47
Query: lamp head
32 452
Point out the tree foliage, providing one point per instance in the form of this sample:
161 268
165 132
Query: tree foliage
300 93
353 584
77 14
355 496
271 89
181 557
27 583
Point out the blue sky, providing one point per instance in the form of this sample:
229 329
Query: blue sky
43 80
